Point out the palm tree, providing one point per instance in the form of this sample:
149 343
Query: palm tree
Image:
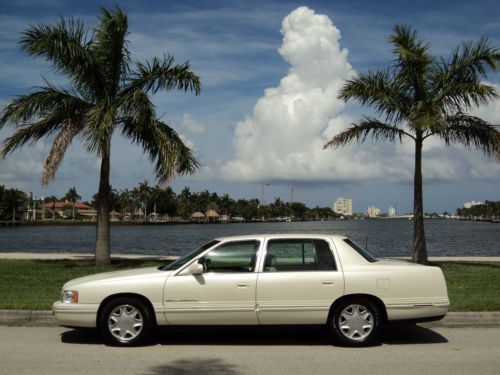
124 200
107 93
144 194
420 96
72 196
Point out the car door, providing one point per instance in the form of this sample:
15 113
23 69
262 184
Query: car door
223 294
298 282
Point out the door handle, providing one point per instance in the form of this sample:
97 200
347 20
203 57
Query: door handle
327 282
243 285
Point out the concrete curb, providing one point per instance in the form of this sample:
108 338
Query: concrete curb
45 318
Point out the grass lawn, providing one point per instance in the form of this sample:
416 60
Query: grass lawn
35 284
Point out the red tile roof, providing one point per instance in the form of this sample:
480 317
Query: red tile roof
78 205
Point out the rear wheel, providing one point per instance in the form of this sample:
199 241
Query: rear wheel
355 322
125 322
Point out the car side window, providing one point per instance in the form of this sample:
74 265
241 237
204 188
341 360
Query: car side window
298 255
232 257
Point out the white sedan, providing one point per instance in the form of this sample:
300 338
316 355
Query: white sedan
259 279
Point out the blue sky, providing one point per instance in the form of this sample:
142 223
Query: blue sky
248 60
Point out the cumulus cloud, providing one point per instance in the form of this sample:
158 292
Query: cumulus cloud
191 125
282 139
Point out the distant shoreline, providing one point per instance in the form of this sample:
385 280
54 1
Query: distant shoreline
153 223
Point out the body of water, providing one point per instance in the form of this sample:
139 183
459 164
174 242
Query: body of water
384 237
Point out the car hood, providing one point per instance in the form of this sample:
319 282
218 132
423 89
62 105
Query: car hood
149 272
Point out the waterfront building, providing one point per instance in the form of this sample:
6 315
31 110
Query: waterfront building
343 206
391 212
373 211
61 209
472 204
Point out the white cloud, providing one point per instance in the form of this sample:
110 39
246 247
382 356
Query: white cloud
191 125
282 140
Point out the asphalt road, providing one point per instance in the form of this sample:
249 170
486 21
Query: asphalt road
275 350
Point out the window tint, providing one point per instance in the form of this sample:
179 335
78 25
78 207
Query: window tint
232 257
187 257
298 255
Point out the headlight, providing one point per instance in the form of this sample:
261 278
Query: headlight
69 296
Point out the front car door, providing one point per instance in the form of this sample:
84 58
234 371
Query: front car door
298 282
223 294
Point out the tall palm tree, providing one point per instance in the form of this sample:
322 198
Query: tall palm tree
107 93
421 96
72 196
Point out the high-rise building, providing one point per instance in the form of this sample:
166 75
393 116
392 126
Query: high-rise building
343 206
391 212
373 211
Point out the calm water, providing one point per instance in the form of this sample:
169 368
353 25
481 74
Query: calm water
385 237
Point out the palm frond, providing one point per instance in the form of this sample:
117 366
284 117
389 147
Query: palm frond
412 59
163 74
38 104
66 46
368 127
456 82
53 109
164 146
59 147
471 132
99 124
110 47
379 90
409 48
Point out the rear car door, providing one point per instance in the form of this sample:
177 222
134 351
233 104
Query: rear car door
298 282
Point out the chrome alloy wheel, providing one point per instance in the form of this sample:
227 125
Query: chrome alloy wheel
356 322
125 322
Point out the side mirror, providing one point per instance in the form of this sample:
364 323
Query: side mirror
194 269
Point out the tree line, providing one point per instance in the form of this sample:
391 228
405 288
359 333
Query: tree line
490 209
143 200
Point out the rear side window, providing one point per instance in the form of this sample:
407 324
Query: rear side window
298 255
365 254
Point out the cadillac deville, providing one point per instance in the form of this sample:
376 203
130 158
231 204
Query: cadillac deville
257 280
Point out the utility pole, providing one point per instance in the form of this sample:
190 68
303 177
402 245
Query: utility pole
292 190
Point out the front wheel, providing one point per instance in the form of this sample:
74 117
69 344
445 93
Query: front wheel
125 322
355 322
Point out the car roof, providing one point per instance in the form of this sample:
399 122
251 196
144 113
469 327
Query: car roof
279 236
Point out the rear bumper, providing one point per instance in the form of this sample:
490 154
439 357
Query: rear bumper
75 315
417 312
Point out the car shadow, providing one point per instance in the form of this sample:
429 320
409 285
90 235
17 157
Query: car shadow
195 366
261 335
401 334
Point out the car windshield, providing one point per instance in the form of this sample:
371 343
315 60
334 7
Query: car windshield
187 257
364 253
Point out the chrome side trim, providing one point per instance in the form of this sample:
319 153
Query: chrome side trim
209 309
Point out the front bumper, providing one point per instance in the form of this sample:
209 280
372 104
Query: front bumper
75 315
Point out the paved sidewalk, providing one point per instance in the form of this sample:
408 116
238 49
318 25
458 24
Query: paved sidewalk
82 256
45 318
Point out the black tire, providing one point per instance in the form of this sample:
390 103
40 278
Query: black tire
125 314
369 325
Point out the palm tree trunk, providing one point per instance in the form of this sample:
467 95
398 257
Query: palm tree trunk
419 246
102 250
